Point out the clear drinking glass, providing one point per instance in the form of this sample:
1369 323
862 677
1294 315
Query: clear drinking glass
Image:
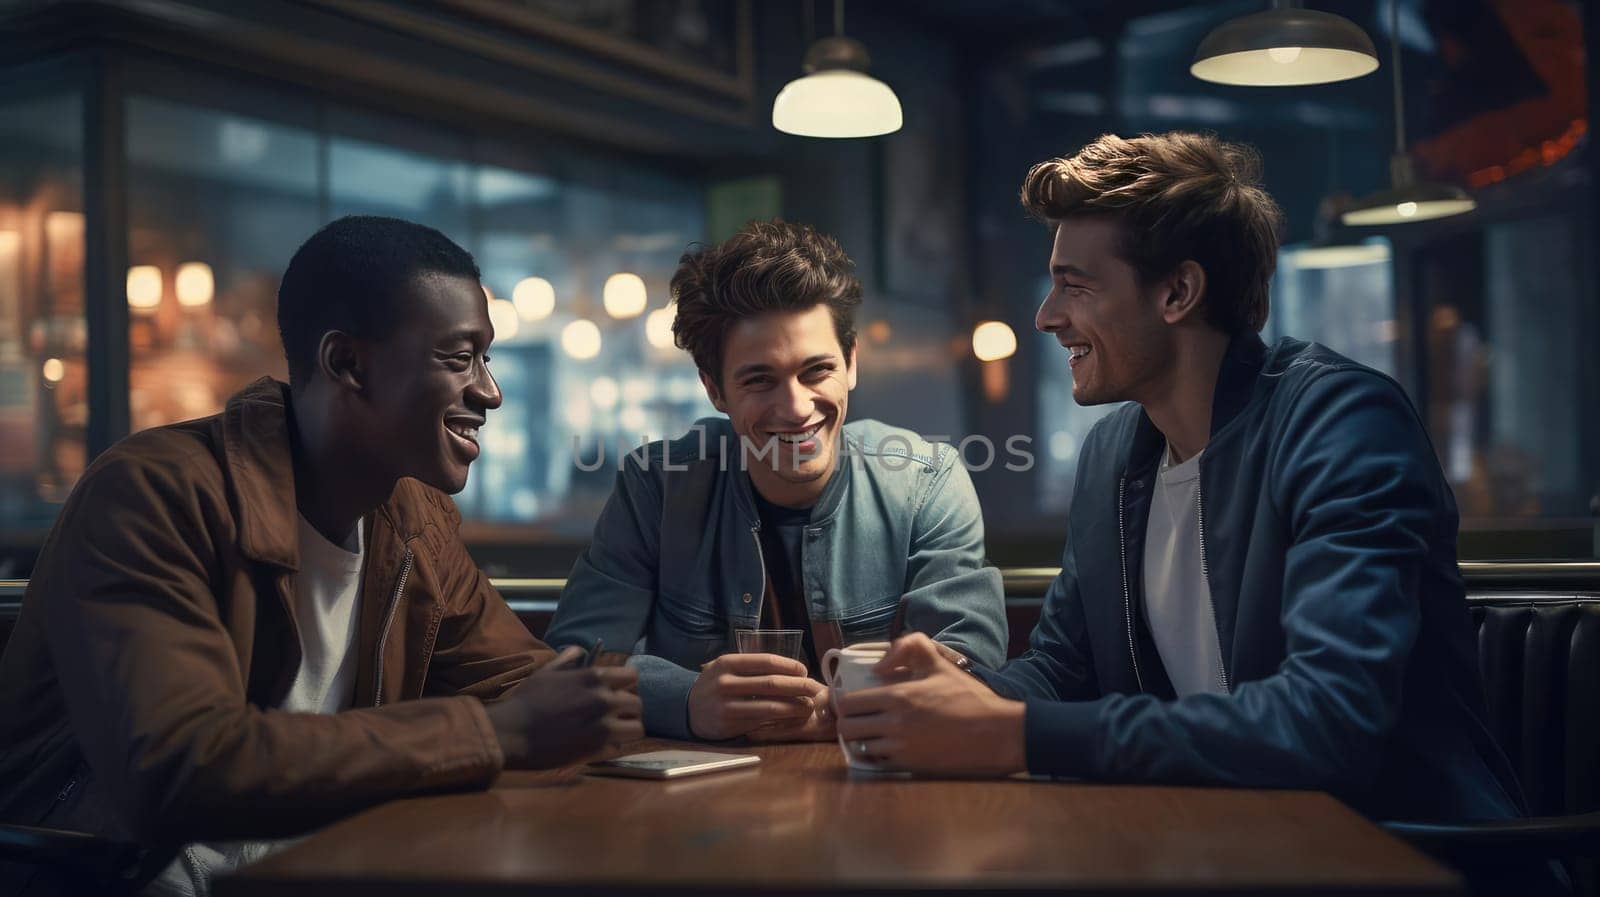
782 642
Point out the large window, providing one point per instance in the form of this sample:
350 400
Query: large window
1341 296
1510 374
217 203
44 409
576 252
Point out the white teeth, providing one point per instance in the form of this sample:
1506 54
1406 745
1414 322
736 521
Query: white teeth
797 438
463 431
1078 351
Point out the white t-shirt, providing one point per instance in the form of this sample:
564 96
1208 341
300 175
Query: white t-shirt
1177 598
327 592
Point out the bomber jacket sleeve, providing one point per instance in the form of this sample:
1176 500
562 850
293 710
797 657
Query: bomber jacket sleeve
156 696
1356 483
951 594
1058 665
481 648
611 591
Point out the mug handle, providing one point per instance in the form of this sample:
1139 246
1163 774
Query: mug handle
830 666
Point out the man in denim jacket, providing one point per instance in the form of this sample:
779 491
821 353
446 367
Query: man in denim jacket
780 515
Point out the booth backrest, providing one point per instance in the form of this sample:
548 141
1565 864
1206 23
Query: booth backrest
1540 656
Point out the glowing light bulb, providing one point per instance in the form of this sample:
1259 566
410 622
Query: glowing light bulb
1406 209
581 339
144 288
658 326
194 284
624 295
1283 55
53 370
534 297
993 340
503 315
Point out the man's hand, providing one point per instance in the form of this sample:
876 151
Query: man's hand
816 727
738 694
561 713
936 718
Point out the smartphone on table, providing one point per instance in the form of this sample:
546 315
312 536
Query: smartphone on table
670 764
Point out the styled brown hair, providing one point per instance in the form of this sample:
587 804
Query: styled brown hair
1177 196
766 267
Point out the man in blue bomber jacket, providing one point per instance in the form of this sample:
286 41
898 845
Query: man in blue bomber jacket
780 516
1260 585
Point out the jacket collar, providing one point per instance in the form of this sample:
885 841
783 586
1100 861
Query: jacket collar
832 494
260 469
260 464
1236 381
839 483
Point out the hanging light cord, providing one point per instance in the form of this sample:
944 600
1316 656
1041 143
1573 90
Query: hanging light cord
838 17
1399 97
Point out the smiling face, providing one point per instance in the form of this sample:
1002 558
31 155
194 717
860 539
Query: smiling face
785 387
429 386
1112 325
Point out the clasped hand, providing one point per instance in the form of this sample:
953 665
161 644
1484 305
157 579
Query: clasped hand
932 716
762 697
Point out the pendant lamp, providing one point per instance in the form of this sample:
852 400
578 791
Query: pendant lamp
1407 199
1285 46
836 97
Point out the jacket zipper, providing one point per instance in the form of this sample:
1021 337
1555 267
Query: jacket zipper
1127 594
388 619
1205 576
755 533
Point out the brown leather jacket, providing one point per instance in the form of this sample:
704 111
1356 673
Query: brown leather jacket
158 633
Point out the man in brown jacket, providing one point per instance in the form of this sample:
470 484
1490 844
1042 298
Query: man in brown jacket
246 625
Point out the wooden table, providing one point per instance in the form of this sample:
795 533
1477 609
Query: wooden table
800 822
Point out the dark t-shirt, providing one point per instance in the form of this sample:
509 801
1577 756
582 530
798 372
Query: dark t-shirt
782 534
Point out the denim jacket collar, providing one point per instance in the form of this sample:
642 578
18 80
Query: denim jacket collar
827 504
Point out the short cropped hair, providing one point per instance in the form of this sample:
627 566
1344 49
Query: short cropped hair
1177 196
352 276
769 266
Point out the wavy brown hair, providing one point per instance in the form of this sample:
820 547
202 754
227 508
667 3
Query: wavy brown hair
769 266
1178 196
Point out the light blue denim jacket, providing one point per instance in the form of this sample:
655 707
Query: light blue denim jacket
675 564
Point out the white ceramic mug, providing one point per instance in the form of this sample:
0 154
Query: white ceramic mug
850 669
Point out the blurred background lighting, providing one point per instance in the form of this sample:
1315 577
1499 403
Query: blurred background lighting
624 295
144 288
605 393
658 326
993 340
503 315
581 339
534 297
194 284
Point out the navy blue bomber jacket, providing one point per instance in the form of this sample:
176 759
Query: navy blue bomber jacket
1329 544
